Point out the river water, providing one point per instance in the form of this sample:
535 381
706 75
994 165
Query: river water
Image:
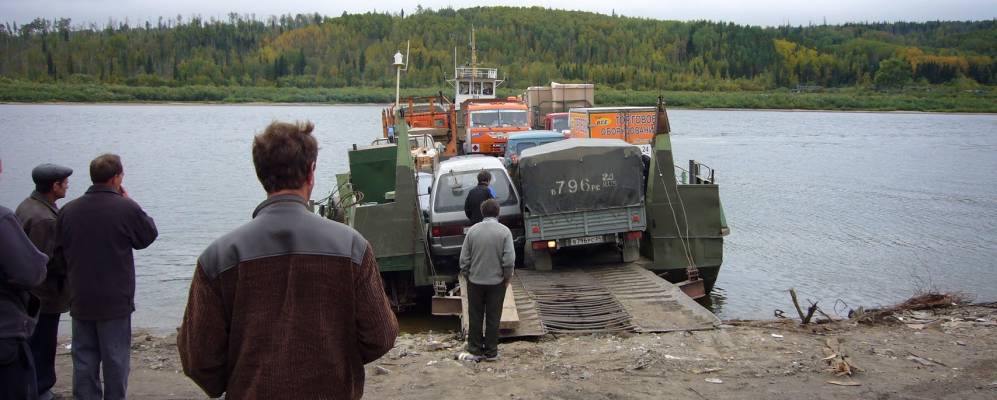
865 208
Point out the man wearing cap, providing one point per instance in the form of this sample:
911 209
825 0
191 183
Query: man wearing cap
96 234
22 267
37 215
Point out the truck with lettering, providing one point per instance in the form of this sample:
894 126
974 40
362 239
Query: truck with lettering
634 125
582 192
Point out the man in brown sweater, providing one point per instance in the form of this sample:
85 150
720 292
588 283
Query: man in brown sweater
288 305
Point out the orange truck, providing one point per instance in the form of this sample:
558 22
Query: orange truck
489 122
435 114
634 125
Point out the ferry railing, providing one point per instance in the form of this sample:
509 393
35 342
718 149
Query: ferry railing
476 73
697 174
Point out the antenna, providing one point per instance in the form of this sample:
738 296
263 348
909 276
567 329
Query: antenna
474 64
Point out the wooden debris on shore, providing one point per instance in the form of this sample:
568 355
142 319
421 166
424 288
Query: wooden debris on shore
805 318
926 301
837 359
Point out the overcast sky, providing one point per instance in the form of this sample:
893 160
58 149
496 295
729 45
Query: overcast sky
754 12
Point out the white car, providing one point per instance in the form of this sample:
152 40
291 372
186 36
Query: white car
453 180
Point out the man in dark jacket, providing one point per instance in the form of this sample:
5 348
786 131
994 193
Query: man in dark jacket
37 215
289 305
22 267
96 234
478 195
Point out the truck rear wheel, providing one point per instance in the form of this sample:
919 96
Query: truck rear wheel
630 251
539 260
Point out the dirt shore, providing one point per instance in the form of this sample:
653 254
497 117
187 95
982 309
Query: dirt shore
948 353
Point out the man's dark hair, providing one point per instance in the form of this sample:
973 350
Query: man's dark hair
484 177
46 186
284 155
104 167
490 208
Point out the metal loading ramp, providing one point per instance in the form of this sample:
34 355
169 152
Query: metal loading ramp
604 298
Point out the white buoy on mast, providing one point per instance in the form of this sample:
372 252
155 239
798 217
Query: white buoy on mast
401 64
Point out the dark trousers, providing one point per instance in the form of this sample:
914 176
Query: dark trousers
43 346
484 303
101 346
17 370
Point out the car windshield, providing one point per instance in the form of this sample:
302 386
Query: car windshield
453 188
560 124
498 118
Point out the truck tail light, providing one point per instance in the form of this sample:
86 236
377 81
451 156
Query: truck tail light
634 235
447 230
539 245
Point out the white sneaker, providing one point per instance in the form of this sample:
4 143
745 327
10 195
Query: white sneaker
465 356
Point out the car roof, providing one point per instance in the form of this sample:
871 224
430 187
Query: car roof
535 134
469 163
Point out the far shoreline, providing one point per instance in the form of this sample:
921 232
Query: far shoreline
321 104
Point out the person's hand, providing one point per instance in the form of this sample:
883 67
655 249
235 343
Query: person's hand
124 193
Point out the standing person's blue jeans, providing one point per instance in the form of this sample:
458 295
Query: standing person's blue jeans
101 346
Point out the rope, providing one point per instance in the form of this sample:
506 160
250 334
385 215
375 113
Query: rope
685 245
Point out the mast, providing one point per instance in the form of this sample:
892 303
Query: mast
474 64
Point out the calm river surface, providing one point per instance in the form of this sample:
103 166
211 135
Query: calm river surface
861 207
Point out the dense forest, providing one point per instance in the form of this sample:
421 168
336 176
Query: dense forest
531 46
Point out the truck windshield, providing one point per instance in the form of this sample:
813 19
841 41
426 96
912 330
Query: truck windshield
498 118
560 123
452 189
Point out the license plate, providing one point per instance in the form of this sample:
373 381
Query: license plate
585 240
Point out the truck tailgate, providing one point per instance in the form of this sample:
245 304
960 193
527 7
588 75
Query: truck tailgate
585 223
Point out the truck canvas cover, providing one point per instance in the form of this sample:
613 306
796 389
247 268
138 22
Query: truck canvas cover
581 175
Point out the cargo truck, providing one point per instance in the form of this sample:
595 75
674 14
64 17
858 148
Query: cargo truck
544 101
488 124
634 125
581 192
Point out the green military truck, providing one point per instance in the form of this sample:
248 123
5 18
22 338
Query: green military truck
582 192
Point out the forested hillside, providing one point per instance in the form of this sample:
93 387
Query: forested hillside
531 46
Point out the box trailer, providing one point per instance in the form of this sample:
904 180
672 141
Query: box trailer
634 125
